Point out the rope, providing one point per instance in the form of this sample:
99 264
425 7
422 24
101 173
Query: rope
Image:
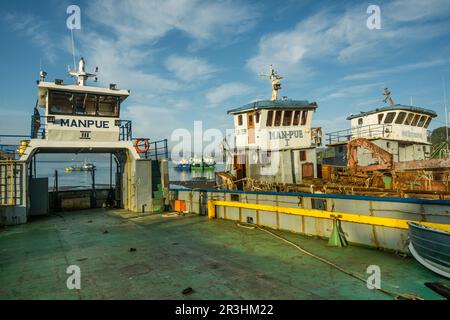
396 295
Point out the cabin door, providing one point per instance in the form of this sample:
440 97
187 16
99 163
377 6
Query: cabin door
307 170
251 127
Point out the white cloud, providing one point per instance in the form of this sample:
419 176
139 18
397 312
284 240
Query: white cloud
396 69
34 29
351 92
189 68
414 10
143 21
345 38
225 92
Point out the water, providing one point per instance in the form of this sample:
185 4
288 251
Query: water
83 179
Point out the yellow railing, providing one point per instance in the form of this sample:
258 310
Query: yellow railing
346 217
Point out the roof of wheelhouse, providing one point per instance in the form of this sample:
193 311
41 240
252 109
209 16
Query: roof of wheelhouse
275 104
395 108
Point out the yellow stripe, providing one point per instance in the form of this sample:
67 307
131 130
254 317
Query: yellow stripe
347 217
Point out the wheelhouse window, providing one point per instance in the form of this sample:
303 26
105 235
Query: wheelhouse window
409 119
427 123
415 120
250 120
257 116
304 117
61 103
287 119
91 105
269 118
108 106
389 117
240 122
422 121
83 104
360 121
296 118
277 121
400 118
380 118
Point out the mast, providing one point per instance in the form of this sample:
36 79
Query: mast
274 78
81 75
387 95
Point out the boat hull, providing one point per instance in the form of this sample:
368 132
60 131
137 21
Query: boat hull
430 247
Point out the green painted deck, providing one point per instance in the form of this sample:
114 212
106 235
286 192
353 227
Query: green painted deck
218 259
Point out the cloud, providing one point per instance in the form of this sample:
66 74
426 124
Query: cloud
225 92
396 69
33 28
343 37
142 21
189 68
416 10
350 91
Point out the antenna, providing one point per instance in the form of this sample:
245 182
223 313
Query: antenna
274 77
81 74
73 49
446 114
387 94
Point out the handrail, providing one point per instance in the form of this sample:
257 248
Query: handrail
367 131
155 148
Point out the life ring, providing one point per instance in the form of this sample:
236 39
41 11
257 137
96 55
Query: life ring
142 145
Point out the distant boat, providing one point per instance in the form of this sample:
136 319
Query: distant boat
203 163
84 167
184 164
87 167
431 247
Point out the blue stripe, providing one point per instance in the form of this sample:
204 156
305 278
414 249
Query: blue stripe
328 196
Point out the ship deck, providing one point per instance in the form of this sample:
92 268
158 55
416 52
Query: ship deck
216 258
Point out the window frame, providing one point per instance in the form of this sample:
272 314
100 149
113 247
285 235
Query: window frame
296 117
304 118
289 123
278 118
421 123
415 120
409 118
240 120
427 123
269 120
387 118
404 113
74 96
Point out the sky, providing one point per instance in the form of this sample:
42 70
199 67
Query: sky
192 60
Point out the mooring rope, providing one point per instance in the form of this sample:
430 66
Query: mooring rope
396 295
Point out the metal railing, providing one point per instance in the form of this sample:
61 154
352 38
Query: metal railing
368 131
125 130
158 150
11 183
39 127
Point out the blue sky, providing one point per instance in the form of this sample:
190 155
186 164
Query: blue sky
193 60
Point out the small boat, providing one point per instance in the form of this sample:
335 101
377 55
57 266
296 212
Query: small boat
72 168
431 247
183 165
196 163
87 167
209 163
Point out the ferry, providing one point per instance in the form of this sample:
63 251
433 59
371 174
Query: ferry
373 181
275 189
82 119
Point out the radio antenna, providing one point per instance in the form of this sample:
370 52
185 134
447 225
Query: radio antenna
73 49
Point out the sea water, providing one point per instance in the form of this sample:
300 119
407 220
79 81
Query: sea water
83 179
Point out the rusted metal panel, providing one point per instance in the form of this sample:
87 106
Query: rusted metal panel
422 164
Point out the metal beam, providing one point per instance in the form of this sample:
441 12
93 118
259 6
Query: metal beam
346 217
